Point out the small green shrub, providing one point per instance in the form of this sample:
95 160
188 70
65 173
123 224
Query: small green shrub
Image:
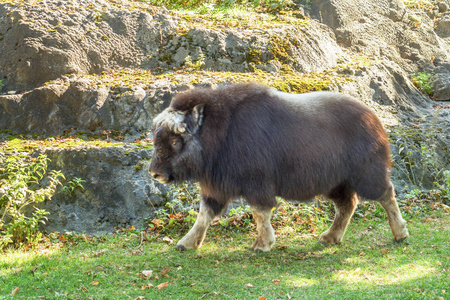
416 157
22 185
189 64
72 185
422 82
428 4
444 192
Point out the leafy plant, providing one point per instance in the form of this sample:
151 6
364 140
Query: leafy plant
22 185
195 65
72 185
444 188
416 156
419 3
422 81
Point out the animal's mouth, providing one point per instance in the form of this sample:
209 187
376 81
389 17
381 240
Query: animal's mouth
162 179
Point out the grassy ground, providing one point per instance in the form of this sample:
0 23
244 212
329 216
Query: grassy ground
367 265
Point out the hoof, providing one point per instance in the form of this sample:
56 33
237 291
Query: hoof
323 243
256 250
402 241
325 239
181 248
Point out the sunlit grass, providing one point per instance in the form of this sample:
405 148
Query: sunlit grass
367 265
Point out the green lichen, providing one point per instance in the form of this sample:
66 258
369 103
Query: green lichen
281 48
238 18
286 78
19 143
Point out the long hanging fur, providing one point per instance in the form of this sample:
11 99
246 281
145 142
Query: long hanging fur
260 143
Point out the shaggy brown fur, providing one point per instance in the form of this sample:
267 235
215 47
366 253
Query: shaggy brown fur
251 141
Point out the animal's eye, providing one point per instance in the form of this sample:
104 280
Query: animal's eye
176 144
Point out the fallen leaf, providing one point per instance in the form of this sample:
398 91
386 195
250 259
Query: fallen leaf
249 285
262 298
98 253
167 240
164 272
147 286
139 298
384 251
163 285
276 281
95 283
62 238
288 296
14 292
147 273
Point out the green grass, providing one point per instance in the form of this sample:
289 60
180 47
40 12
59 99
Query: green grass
367 265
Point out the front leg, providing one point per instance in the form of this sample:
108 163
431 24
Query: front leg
266 234
209 208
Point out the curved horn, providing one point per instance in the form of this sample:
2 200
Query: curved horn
171 118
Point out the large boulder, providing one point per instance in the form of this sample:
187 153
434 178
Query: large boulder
441 86
40 43
117 192
386 29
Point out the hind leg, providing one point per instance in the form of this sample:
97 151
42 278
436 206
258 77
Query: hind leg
396 222
345 202
266 234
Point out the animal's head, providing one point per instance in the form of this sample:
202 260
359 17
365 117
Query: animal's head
177 152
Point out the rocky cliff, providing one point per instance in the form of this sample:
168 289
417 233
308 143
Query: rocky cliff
90 67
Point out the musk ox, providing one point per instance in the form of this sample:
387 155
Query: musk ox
259 143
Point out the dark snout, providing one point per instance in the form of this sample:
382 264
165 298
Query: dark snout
157 175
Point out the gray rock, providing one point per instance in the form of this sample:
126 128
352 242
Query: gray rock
442 25
441 86
386 25
39 44
442 6
118 192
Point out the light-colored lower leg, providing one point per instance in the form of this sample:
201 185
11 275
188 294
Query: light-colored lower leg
194 238
266 234
344 210
396 222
